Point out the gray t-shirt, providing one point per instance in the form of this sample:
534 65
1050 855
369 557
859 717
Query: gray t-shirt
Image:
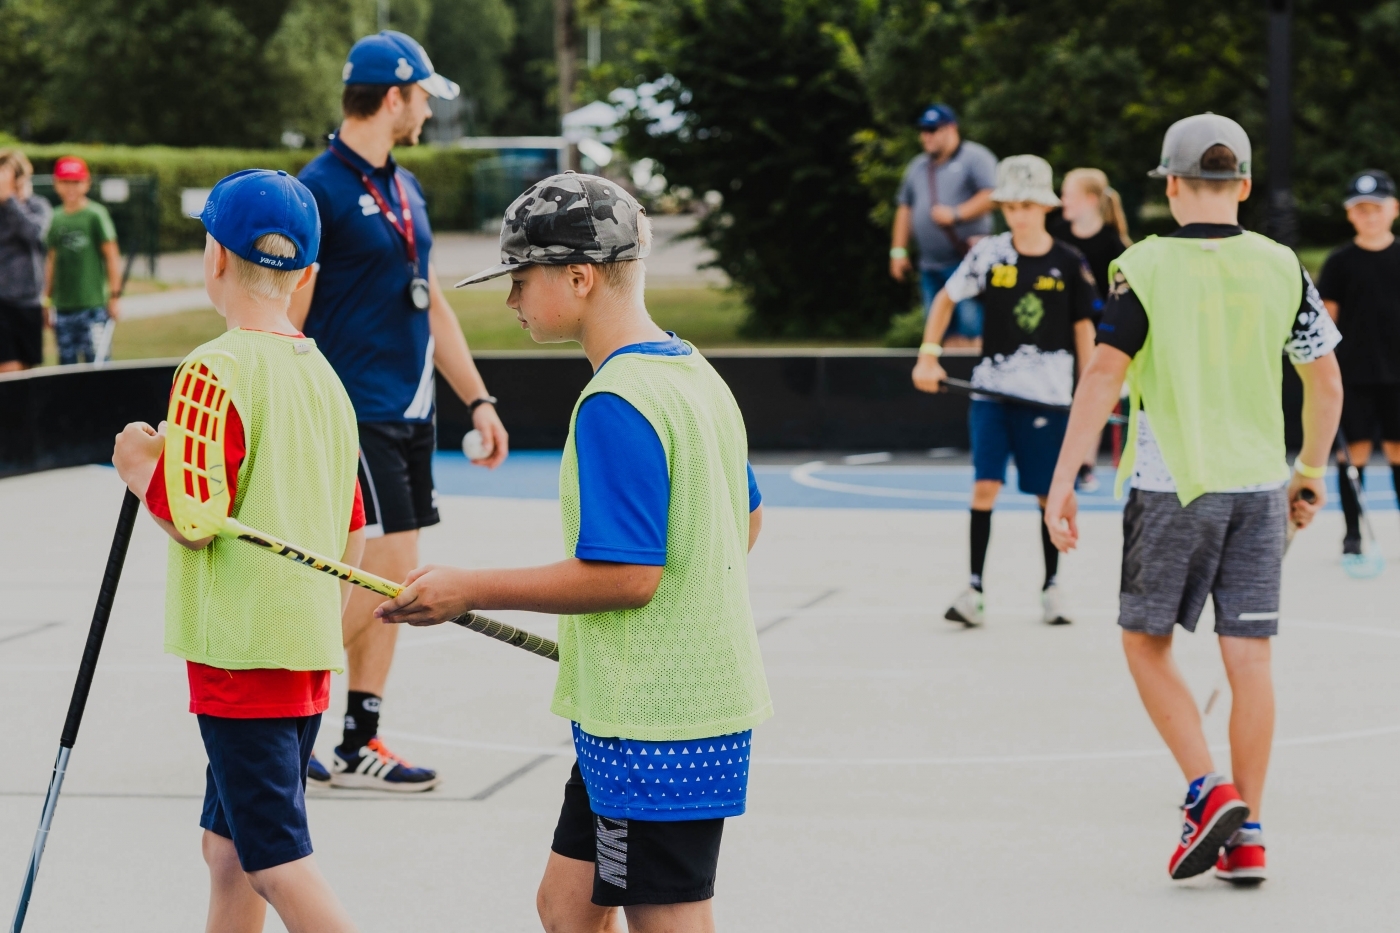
23 227
971 169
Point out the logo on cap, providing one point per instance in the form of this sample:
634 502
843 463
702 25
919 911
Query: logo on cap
1365 184
345 72
404 71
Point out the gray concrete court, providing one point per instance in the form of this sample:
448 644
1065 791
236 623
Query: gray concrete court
916 776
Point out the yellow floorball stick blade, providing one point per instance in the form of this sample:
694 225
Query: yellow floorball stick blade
194 444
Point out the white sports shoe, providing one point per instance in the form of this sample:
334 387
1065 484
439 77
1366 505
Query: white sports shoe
1050 603
967 609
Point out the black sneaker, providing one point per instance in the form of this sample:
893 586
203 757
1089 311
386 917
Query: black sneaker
316 773
1351 544
377 768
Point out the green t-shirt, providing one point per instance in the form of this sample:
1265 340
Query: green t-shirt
79 272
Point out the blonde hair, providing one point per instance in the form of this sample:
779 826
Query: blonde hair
17 161
264 281
1094 183
628 276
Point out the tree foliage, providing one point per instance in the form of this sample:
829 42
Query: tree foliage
773 97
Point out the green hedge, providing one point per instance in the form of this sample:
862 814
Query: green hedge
445 173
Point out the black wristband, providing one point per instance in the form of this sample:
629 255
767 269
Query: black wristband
484 400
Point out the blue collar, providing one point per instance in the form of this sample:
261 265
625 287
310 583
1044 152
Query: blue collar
387 169
672 346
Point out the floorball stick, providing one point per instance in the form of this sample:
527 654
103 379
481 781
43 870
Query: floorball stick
966 388
110 578
197 489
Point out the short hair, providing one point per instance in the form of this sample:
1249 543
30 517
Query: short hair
1218 158
362 101
263 281
16 160
628 276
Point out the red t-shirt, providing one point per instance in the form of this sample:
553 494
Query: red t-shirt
260 693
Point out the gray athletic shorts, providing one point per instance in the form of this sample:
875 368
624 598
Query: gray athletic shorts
1224 544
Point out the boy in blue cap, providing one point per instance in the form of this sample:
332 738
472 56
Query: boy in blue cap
261 636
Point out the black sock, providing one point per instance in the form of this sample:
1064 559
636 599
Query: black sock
1052 556
361 720
1351 508
981 533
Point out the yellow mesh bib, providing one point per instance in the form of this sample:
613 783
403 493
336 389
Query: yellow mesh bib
232 605
687 664
1211 371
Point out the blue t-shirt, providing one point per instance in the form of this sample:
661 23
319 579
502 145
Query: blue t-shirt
624 485
665 782
362 316
624 482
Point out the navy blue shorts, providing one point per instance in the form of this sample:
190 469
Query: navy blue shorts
255 788
1032 435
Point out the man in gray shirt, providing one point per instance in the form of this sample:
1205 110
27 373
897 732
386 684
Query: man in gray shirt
946 197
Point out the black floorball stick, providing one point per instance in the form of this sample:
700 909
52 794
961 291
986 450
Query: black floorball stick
115 558
967 388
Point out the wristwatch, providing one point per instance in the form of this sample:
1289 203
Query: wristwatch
484 400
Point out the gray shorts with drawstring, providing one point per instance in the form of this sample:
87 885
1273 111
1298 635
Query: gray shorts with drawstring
1228 545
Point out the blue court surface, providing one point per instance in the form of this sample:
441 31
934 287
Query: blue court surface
534 474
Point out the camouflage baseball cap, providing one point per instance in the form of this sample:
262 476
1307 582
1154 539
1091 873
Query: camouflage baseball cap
568 218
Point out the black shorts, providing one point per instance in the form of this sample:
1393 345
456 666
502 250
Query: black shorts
638 861
1367 408
21 334
396 476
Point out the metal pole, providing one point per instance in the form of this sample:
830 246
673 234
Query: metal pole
1283 210
566 62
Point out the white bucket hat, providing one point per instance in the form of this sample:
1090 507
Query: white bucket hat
1025 178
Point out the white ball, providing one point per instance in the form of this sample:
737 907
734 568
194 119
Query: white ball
474 446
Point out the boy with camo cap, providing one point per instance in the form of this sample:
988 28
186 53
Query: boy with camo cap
659 668
1198 322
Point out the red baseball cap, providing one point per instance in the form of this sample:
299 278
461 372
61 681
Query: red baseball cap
70 168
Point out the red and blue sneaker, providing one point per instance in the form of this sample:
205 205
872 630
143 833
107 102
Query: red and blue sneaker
316 773
1242 862
377 768
1213 811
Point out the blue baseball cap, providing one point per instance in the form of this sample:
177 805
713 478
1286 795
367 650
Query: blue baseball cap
246 205
394 58
936 117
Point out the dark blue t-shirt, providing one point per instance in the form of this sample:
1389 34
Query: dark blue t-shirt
362 316
624 481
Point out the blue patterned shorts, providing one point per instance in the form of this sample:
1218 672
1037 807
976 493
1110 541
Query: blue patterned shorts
74 331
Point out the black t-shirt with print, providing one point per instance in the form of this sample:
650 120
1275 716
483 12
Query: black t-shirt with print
1365 284
1099 250
1037 301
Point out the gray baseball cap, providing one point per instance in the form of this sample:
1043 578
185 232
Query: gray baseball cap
1187 140
567 218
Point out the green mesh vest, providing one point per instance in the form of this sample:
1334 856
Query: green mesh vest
1211 372
686 665
231 605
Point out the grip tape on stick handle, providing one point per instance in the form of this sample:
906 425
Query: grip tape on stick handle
529 641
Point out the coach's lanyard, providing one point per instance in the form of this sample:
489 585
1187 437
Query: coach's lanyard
404 229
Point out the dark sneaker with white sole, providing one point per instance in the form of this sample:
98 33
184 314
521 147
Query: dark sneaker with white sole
316 773
374 767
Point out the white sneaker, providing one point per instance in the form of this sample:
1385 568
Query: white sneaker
1050 603
967 609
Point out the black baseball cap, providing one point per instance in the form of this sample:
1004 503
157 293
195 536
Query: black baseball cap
1371 185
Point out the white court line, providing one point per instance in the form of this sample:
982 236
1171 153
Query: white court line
802 475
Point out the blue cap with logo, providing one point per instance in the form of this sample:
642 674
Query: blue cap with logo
246 205
936 117
393 58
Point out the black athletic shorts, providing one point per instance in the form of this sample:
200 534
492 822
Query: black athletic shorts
21 334
396 476
1366 408
638 861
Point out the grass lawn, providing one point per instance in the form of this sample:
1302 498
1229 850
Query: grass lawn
708 317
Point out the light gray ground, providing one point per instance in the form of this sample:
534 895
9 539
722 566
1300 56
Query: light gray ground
916 776
674 262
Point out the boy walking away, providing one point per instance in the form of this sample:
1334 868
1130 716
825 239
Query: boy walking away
24 225
1360 285
1198 322
84 270
1039 299
261 635
659 667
